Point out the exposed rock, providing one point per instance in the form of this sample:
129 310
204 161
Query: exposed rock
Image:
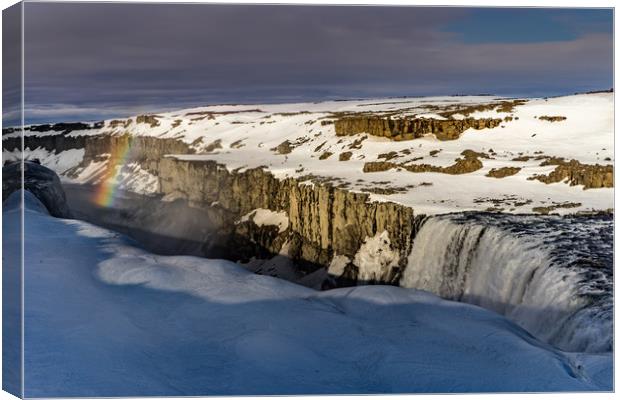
474 154
237 144
325 155
465 165
216 144
575 173
346 156
283 148
547 209
115 123
319 147
388 156
553 118
410 128
42 182
357 143
64 127
503 172
148 119
324 220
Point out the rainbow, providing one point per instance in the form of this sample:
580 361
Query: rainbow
108 186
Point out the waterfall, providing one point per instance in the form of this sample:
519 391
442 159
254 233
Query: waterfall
518 274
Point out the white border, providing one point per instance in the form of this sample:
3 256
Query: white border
461 3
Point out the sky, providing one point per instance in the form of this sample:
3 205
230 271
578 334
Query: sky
91 61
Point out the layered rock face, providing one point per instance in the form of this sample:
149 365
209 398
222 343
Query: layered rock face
324 221
411 128
144 149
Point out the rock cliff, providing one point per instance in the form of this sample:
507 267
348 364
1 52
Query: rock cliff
411 128
324 221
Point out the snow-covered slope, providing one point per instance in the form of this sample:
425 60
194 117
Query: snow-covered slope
116 320
246 136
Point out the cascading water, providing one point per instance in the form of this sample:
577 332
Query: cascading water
551 275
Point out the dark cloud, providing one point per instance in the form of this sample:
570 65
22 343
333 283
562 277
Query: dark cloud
126 57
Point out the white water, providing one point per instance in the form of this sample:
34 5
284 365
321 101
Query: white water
513 275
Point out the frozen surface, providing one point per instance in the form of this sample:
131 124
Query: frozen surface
105 318
552 275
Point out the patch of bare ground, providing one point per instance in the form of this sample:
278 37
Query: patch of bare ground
287 146
552 118
217 144
388 156
357 143
345 156
502 172
575 173
120 122
468 163
387 190
148 119
548 209
237 144
325 155
509 201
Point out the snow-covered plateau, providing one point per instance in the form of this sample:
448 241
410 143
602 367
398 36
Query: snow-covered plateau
105 318
300 140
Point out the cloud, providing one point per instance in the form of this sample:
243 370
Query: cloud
131 56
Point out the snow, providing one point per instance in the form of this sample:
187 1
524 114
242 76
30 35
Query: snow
59 162
134 178
248 136
375 256
265 217
338 264
119 321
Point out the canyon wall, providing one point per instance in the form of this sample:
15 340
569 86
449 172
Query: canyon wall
324 222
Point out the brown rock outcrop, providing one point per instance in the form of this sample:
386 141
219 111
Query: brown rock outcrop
411 128
503 172
469 163
553 118
575 173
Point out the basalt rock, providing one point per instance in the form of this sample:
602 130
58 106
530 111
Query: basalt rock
148 119
554 118
42 182
411 128
469 163
503 172
575 173
345 156
323 220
